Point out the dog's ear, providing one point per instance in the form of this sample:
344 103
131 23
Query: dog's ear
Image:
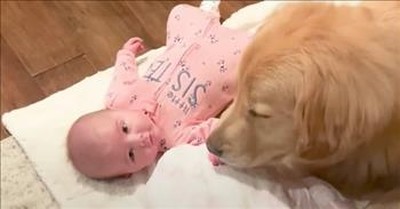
340 104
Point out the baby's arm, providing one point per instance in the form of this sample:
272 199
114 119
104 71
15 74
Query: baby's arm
125 72
198 134
125 64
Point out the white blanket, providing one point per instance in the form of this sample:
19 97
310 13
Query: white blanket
183 176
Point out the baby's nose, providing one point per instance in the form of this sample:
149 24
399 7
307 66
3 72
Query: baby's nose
143 140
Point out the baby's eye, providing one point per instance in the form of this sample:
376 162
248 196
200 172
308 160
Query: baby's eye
125 127
131 155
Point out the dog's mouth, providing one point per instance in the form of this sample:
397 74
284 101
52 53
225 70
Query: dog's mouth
278 160
236 161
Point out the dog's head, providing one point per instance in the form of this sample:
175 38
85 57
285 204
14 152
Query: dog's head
307 93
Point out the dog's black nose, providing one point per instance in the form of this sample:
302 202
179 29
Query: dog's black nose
214 150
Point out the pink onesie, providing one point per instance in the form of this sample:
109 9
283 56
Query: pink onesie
191 82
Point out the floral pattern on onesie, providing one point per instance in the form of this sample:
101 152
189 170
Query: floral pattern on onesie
187 85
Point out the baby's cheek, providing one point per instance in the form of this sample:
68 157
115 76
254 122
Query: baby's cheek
149 154
145 142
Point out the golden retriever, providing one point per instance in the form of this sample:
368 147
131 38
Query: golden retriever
319 93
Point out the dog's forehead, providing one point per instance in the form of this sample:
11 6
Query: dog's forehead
262 86
271 91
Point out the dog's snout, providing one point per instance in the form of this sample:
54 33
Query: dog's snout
214 149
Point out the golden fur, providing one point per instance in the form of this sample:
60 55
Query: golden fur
319 92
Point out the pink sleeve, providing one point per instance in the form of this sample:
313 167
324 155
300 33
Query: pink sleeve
125 73
197 134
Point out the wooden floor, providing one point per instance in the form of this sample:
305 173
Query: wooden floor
47 46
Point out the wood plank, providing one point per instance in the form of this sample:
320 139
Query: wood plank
64 75
40 37
102 28
4 133
229 7
154 15
18 88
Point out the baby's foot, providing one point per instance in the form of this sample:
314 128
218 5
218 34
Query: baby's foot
134 45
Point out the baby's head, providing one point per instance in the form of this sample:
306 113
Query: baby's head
112 143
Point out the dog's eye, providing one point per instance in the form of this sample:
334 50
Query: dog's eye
253 113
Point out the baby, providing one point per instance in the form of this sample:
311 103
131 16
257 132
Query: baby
173 103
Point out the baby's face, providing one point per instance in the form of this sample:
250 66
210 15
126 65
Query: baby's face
112 143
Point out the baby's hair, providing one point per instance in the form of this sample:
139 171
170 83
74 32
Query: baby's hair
68 137
68 153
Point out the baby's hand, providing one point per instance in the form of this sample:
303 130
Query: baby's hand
214 160
134 45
